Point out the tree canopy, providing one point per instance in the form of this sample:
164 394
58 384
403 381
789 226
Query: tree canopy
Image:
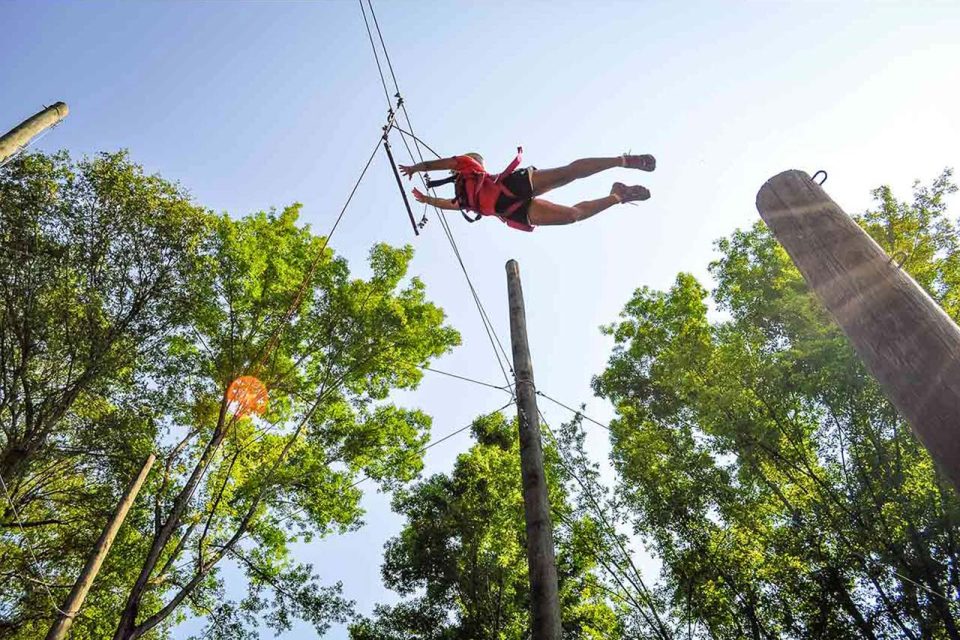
143 308
778 492
461 560
782 492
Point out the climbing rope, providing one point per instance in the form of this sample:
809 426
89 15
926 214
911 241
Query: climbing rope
602 519
491 332
383 82
466 379
572 410
418 141
434 443
298 298
428 446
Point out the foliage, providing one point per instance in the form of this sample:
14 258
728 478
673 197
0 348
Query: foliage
782 492
779 490
261 296
461 557
98 266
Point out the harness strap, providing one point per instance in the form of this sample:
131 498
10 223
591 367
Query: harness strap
437 183
512 208
468 195
512 166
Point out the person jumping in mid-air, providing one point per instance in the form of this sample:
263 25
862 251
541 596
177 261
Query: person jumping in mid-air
514 195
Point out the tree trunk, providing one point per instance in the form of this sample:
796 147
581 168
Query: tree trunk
130 611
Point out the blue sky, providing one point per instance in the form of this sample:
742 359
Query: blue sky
259 104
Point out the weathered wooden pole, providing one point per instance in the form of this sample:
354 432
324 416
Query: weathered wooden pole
544 597
77 595
18 137
903 337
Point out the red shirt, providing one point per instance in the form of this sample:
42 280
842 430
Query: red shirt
483 185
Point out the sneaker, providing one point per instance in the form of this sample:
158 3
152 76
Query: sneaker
623 193
645 162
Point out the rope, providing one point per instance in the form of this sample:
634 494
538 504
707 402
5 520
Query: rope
466 379
902 577
356 185
386 94
429 445
316 261
434 443
298 299
645 591
582 486
419 141
485 319
382 44
572 410
576 412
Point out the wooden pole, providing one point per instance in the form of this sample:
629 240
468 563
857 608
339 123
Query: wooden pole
18 137
544 598
902 335
77 595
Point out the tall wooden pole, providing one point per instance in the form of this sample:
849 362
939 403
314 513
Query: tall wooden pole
77 595
544 598
903 337
19 136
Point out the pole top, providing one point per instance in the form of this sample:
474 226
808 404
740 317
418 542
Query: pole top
512 266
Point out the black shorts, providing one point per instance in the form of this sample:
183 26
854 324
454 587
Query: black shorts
521 185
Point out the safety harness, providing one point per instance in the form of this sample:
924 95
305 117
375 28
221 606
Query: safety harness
468 185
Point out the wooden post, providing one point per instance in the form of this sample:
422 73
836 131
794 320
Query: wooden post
18 137
902 335
77 595
544 598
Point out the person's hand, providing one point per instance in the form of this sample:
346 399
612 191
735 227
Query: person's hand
419 196
407 171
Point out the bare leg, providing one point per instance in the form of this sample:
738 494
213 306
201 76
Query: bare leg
548 179
544 212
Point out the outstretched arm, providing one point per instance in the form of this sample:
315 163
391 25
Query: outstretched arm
429 165
442 203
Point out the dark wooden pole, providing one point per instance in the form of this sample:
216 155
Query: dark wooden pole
18 137
77 595
902 335
544 598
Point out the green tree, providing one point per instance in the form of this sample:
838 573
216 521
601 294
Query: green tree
461 557
782 492
98 266
597 528
142 309
243 489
